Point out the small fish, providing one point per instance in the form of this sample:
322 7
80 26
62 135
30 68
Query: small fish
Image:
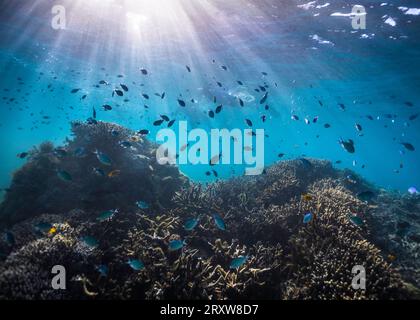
315 120
146 96
408 103
144 71
106 215
327 125
218 109
103 158
238 262
43 227
188 68
52 231
144 132
366 195
124 87
295 117
22 155
181 103
64 175
158 122
413 117
164 117
171 123
356 220
107 107
136 264
75 90
347 145
307 197
103 270
408 146
219 222
9 237
307 218
215 159
190 224
248 122
224 68
119 92
175 245
90 241
99 172
211 114
358 127
264 98
412 190
142 204
241 102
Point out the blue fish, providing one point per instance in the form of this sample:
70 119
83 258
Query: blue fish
142 205
43 227
175 245
80 152
356 220
103 270
99 172
191 223
136 264
90 241
238 262
64 175
307 218
10 238
106 215
219 222
103 158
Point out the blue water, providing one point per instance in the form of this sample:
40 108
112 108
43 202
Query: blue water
372 72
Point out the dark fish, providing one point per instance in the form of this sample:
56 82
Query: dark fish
181 103
264 98
348 145
84 97
414 116
215 173
146 96
408 103
144 71
158 122
107 107
342 106
358 127
164 117
119 92
188 68
408 146
75 90
211 114
144 131
248 122
22 155
241 102
103 82
219 84
224 68
94 113
306 163
171 123
366 195
295 117
218 109
264 73
124 87
320 103
240 83
369 117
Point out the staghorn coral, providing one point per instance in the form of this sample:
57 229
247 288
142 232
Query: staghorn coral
286 259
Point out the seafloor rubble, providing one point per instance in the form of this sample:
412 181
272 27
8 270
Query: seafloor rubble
287 259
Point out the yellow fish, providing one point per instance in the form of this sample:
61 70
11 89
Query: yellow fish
307 197
136 139
52 231
391 257
114 173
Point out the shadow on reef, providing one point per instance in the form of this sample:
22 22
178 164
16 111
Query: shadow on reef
134 253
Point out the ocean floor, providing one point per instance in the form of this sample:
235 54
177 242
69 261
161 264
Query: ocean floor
125 227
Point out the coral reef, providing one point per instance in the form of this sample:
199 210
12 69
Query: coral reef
263 223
